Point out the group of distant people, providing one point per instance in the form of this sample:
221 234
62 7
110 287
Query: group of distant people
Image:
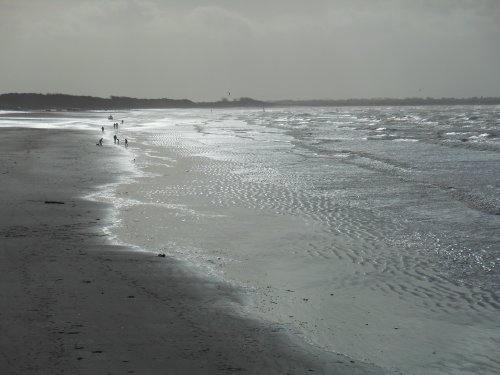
115 138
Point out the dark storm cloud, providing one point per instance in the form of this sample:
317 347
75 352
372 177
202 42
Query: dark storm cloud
265 49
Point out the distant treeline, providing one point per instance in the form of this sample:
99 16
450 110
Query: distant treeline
75 102
391 102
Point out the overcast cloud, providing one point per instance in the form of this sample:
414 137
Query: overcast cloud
273 49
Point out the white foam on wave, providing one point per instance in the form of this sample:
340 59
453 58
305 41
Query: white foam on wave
484 135
405 140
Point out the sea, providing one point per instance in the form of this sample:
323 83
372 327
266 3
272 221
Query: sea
368 231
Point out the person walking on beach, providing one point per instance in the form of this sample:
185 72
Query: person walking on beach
126 142
102 129
99 143
115 138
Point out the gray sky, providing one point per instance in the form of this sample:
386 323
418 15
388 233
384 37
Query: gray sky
266 49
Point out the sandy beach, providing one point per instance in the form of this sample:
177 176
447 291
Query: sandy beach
71 302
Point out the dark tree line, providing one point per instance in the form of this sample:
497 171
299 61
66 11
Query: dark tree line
28 101
392 102
76 102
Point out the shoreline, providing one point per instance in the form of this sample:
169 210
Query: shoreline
74 303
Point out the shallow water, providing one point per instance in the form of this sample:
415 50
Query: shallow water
370 231
374 232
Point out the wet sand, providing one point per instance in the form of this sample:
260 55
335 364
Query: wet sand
73 303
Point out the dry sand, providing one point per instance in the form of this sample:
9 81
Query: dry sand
72 303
